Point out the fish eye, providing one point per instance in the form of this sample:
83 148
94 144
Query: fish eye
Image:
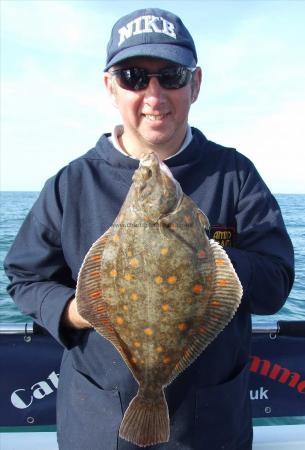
147 173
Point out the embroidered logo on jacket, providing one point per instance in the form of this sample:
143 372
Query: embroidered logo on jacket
146 24
223 235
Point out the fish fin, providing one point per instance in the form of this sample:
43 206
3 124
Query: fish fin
219 309
146 421
90 302
227 286
203 219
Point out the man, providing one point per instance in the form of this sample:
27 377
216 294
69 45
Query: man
152 76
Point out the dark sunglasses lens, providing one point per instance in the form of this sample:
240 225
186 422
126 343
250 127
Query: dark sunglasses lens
133 79
175 77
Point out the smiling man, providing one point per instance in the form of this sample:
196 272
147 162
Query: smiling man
152 77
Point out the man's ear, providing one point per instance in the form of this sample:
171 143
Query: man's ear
110 87
196 83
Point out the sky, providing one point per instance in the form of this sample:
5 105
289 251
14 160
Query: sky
54 106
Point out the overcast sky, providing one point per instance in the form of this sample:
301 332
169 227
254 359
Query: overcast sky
54 107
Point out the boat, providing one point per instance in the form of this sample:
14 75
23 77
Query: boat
30 360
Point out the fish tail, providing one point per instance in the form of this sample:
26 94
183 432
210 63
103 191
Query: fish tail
146 421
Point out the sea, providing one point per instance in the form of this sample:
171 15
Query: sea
14 207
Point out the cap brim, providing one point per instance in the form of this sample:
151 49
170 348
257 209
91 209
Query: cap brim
169 52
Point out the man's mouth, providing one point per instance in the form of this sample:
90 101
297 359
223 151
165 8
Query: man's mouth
155 117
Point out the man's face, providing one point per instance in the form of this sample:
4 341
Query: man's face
154 118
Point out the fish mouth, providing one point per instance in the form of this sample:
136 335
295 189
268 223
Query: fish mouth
149 161
151 164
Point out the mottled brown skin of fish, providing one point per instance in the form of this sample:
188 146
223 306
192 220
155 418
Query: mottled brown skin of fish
159 290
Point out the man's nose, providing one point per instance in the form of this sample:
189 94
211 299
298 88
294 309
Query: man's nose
154 92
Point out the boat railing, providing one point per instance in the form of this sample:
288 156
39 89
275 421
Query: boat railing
281 327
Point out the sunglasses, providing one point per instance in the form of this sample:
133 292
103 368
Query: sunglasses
136 78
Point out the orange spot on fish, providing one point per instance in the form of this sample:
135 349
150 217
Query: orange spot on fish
125 307
173 226
197 288
134 296
113 273
134 360
219 262
164 251
158 279
148 331
166 360
128 277
96 257
222 282
201 254
129 253
182 326
122 290
94 274
137 344
134 263
116 238
215 303
95 294
119 320
165 307
159 349
172 280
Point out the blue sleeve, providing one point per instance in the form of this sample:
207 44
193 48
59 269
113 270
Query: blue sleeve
263 255
40 279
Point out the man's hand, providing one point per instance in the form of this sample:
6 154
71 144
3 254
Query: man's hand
72 319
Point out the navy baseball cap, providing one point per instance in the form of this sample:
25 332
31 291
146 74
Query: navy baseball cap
151 32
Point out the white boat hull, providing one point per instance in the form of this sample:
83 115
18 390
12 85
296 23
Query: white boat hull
278 437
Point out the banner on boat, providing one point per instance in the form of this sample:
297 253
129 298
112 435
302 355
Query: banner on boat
277 376
30 371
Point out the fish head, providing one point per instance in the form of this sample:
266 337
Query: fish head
156 192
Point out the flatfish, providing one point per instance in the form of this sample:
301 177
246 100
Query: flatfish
159 290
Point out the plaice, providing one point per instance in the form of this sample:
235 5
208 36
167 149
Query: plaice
159 290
